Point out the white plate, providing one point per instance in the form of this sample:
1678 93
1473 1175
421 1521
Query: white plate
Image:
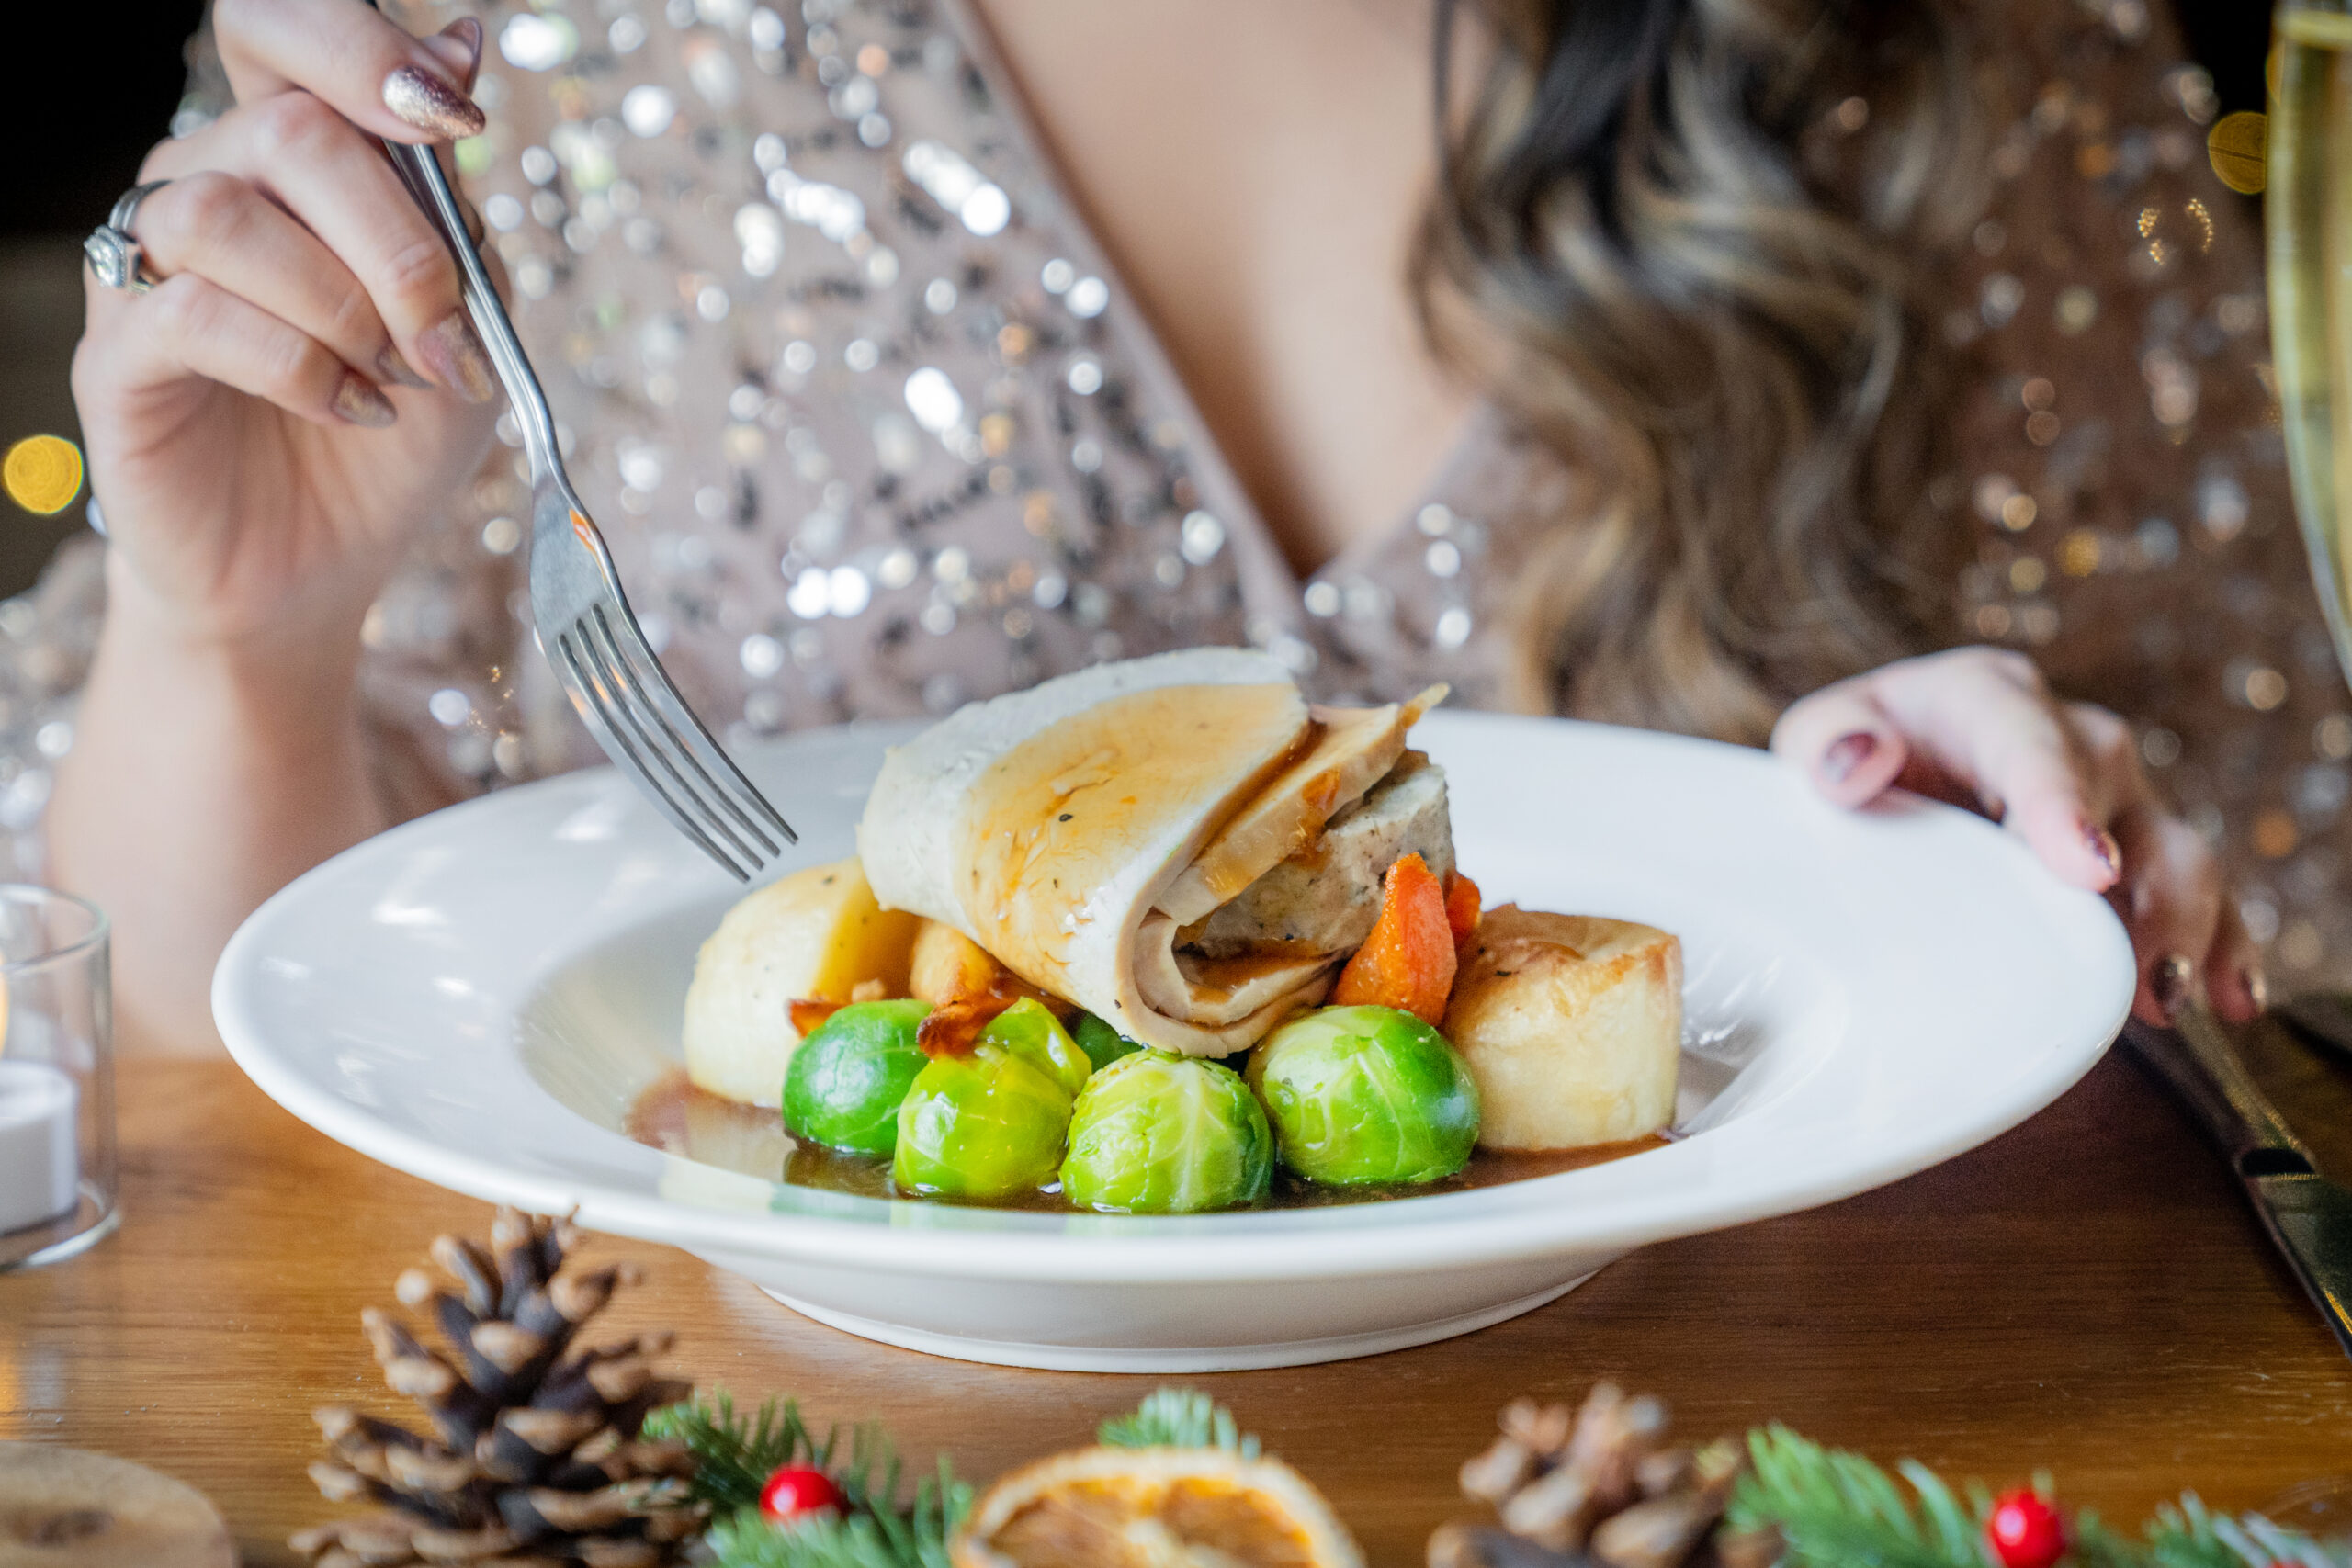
477 997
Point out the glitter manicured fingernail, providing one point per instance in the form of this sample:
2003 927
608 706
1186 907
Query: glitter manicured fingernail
428 103
390 367
1845 753
356 402
2169 982
456 357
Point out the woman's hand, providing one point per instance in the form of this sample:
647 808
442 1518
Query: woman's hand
1977 726
302 389
267 427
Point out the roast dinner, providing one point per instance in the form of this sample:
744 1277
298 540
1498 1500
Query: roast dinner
1163 936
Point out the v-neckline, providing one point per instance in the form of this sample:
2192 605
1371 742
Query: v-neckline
1259 552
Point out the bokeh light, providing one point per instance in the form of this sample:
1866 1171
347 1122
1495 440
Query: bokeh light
43 473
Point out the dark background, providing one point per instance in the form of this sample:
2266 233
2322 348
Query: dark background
111 71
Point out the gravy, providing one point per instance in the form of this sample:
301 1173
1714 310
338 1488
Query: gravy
675 1117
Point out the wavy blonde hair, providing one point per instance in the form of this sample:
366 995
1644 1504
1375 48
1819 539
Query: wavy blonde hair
1672 246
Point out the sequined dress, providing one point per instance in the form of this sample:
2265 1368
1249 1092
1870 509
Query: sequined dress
874 429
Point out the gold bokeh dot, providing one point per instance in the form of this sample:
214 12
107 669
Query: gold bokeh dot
2235 147
2274 835
43 473
2078 553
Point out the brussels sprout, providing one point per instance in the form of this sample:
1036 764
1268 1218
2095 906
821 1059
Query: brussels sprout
1101 1044
1155 1134
846 1081
985 1126
1028 1028
1365 1095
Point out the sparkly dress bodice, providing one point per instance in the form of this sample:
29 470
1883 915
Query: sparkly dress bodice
874 428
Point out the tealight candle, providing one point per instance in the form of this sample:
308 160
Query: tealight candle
39 1163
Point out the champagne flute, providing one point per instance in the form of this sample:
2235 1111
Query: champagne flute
2307 221
2307 226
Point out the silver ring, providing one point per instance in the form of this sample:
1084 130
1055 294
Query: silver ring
114 255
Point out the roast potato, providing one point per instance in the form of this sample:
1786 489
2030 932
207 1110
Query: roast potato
948 966
814 935
1572 1025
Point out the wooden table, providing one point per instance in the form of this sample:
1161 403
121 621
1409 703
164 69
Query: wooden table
2086 1294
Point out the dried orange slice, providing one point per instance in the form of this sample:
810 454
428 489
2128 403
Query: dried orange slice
1154 1508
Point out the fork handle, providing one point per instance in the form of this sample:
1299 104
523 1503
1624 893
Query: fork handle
421 172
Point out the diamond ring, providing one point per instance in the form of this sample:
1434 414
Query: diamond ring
113 254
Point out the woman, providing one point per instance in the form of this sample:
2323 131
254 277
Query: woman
1709 318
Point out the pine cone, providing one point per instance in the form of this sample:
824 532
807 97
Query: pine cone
535 1458
1596 1485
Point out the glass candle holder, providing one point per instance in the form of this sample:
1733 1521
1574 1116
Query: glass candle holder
56 1149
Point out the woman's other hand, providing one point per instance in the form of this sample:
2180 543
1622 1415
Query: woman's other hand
1978 727
301 388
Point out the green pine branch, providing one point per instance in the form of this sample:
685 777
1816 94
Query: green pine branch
884 1537
734 1456
1838 1510
1834 1510
1178 1418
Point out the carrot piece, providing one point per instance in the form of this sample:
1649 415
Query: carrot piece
1408 960
1461 908
808 1012
954 1029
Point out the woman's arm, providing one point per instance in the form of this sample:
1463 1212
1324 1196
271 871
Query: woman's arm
204 776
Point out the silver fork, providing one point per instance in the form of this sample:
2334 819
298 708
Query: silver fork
599 652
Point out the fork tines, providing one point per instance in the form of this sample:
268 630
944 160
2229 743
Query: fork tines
624 693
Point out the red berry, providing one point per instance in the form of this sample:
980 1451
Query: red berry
2026 1531
796 1491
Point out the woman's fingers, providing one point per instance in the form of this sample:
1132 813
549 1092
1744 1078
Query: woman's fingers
2171 903
1973 723
373 277
190 326
377 75
2234 979
221 229
1843 741
1983 717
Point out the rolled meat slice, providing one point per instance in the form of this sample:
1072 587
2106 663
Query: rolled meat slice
1085 830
